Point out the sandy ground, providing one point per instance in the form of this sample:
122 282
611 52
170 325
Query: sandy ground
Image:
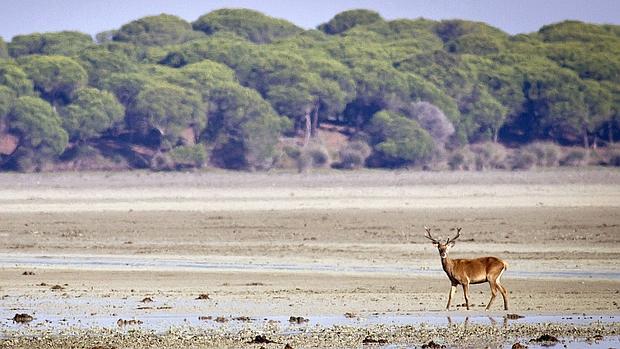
317 246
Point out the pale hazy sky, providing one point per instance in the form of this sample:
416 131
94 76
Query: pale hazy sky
93 16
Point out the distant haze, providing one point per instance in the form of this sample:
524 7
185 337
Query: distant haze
93 16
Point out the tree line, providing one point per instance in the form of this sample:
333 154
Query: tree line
228 88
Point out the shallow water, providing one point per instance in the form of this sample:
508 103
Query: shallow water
164 321
161 322
120 263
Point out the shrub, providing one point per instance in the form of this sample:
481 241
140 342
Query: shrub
78 151
294 152
575 156
353 155
188 156
522 159
489 155
313 155
161 162
319 155
608 156
614 158
461 159
547 154
398 141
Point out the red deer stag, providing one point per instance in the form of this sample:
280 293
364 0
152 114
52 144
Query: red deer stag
470 271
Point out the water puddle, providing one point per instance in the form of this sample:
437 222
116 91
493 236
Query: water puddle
161 322
120 263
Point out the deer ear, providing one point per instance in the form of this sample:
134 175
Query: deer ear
435 243
451 244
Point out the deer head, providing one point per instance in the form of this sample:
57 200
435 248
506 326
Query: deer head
443 247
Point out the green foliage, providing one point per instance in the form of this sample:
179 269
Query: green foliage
243 128
379 86
399 141
100 63
240 80
202 77
90 113
407 35
422 90
225 48
336 87
477 44
503 82
443 70
577 31
6 100
126 86
38 125
156 31
55 77
13 77
470 37
482 114
189 155
595 60
105 36
152 102
4 51
65 43
451 30
248 24
169 108
557 103
349 19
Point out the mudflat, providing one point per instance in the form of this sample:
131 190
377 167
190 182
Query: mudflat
343 250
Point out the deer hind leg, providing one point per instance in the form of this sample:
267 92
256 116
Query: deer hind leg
502 290
466 294
494 289
452 290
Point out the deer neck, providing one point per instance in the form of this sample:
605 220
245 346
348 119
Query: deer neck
447 265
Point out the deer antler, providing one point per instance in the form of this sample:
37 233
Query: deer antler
428 235
458 233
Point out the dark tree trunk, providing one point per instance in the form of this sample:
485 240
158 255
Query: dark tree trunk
308 128
315 120
586 143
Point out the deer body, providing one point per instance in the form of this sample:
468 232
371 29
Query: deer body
465 272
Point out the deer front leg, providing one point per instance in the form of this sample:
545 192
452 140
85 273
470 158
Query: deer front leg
466 294
452 290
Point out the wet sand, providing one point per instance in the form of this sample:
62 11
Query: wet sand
271 247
